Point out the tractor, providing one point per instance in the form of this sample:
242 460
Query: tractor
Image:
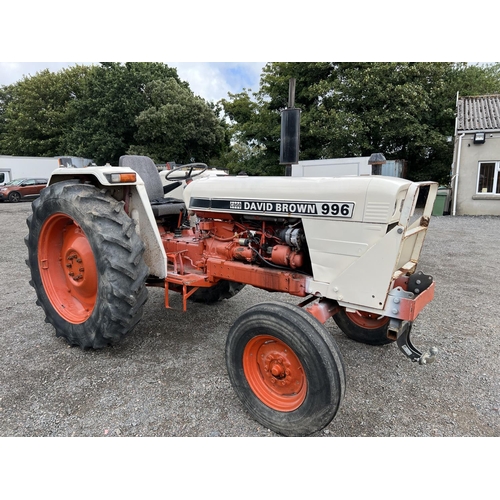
346 247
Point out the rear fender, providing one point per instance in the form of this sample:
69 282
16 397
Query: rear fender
136 203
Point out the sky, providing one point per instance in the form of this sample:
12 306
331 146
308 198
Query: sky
220 44
210 80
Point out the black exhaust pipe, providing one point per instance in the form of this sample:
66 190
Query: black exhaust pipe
290 132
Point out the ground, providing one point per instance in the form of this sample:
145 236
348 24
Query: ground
168 378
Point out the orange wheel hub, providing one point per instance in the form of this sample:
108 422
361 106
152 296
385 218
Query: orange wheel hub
67 267
274 373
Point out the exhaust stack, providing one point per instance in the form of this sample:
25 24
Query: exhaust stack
290 132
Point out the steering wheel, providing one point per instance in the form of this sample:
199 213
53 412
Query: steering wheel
188 174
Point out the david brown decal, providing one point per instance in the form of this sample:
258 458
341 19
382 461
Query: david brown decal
317 209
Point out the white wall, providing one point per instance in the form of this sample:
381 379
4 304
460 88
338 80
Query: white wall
468 202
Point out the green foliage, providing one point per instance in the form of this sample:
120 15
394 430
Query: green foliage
476 80
102 112
33 112
177 125
404 110
103 116
254 128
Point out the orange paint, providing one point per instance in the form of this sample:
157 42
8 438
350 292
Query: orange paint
274 373
67 268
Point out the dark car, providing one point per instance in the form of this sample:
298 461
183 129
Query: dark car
20 189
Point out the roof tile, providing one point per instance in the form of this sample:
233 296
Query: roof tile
478 113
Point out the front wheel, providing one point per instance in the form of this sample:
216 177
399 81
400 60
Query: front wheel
285 368
364 327
86 264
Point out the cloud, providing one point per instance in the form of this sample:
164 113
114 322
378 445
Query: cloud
212 81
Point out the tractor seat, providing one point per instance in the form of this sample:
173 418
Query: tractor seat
148 172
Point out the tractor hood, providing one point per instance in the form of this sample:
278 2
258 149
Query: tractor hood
374 199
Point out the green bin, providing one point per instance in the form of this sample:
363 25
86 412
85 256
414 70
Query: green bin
440 201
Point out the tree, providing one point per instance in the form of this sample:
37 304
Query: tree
404 110
103 116
399 109
177 126
473 80
33 112
103 112
254 128
6 97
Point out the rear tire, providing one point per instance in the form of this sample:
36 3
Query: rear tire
221 290
285 368
363 327
86 264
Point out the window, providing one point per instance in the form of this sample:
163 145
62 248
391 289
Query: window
488 178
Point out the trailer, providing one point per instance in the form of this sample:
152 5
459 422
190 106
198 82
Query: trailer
332 167
341 167
17 167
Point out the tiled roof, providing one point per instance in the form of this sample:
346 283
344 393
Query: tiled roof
478 113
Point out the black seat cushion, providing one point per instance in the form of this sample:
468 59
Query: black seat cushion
148 172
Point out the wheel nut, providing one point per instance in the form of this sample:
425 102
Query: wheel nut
277 370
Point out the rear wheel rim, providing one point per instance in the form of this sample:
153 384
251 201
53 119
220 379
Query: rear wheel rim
68 268
274 373
367 320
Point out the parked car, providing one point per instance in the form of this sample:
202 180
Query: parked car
20 189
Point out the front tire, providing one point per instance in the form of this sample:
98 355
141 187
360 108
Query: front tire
86 264
285 368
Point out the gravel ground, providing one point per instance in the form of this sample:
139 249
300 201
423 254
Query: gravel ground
169 378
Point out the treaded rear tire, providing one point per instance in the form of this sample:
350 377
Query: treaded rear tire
119 294
312 369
